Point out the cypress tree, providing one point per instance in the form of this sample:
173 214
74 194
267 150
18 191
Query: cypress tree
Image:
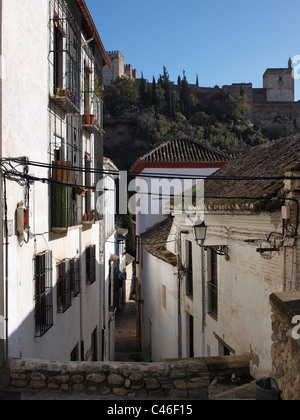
143 93
185 96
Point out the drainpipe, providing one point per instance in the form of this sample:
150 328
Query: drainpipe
179 319
179 268
102 288
81 297
203 297
6 274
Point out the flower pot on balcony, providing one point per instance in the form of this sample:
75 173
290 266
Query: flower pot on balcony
61 92
89 119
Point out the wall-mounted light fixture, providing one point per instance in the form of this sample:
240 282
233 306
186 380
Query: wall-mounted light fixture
200 231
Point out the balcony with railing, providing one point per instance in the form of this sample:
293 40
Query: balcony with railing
67 177
65 55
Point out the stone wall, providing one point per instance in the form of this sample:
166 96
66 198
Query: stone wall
188 379
173 379
286 343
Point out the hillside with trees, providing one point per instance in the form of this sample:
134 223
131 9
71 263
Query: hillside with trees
137 119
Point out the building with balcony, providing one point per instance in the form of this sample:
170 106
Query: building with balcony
52 293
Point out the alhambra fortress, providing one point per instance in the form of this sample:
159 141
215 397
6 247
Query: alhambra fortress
274 101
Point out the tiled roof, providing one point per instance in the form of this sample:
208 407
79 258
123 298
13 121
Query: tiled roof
267 160
154 240
184 149
234 153
90 30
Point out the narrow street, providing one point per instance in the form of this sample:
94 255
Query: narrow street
127 343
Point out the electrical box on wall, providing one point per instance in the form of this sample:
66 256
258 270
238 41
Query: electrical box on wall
22 222
286 212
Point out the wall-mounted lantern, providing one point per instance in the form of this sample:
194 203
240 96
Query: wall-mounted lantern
200 231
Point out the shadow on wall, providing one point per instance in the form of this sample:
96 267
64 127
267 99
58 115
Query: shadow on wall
61 325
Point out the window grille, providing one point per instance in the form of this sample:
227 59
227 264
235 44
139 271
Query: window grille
91 264
75 277
66 205
191 336
189 269
213 284
94 345
112 287
43 294
63 286
65 53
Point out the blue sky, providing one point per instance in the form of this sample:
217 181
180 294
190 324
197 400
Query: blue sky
223 41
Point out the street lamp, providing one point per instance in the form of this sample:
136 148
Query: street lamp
200 236
200 233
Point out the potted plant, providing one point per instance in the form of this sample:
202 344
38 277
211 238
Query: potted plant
61 92
89 119
94 94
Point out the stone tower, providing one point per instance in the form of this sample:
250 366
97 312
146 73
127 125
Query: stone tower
116 70
279 84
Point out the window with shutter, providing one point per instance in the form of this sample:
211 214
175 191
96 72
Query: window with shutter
112 288
75 277
189 269
213 283
43 294
91 264
63 286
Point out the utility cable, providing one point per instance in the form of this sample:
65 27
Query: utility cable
153 174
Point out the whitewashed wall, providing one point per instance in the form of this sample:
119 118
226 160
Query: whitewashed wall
150 207
159 313
26 132
245 282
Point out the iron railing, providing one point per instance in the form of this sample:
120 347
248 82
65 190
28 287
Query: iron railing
43 296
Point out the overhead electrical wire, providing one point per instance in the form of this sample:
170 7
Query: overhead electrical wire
23 161
11 175
16 176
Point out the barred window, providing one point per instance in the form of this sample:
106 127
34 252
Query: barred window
75 277
91 264
112 288
66 204
43 294
189 269
213 284
63 286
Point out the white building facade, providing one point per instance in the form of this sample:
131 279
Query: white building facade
111 256
217 294
53 248
162 177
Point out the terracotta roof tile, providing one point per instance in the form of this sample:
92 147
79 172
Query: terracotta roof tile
270 159
154 240
184 149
